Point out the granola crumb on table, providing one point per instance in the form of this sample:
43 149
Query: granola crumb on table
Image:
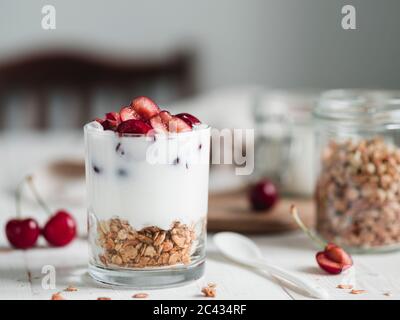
354 291
140 295
57 296
71 289
210 290
344 286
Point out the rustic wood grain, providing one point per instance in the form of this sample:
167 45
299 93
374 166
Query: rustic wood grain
232 212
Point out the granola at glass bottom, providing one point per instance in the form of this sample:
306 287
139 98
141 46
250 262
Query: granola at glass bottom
149 247
358 193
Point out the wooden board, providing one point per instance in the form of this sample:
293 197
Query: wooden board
232 212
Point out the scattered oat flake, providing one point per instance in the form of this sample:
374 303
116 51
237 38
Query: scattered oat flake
354 291
344 286
57 296
140 295
211 284
71 289
209 291
103 298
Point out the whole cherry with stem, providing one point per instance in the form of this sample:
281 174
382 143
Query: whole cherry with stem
22 233
60 229
333 259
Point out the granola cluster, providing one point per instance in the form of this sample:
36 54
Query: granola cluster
124 246
358 193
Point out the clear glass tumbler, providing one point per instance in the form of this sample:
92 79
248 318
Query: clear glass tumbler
147 206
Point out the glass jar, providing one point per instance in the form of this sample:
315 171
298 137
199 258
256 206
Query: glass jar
284 144
357 190
147 206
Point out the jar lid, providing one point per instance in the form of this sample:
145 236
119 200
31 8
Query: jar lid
359 106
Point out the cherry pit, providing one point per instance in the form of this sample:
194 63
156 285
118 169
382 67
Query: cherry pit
23 233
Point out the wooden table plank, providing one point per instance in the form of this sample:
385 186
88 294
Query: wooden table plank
14 276
72 271
377 274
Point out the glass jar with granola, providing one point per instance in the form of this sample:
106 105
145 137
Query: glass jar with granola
357 190
147 189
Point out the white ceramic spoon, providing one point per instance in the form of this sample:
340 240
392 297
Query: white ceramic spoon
243 250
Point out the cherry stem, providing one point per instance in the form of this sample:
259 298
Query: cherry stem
308 232
38 198
18 192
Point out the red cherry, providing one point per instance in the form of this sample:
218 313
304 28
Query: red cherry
109 125
263 195
113 116
60 229
22 233
111 121
327 264
165 116
160 121
99 120
158 125
188 118
134 126
145 107
128 113
337 254
330 265
178 125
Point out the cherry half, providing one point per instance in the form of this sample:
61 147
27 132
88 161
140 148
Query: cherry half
333 259
60 229
188 118
134 126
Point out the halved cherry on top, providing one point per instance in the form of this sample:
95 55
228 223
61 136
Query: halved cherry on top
134 126
145 107
188 118
147 116
111 121
178 125
128 113
333 259
160 121
164 122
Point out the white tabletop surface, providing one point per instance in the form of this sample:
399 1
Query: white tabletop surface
21 271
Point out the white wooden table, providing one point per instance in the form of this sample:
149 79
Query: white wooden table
21 274
21 271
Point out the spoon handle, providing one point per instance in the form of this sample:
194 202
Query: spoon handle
305 284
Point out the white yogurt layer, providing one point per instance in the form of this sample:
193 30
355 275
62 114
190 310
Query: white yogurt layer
149 181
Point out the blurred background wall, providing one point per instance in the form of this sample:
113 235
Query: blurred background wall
108 51
289 44
278 43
